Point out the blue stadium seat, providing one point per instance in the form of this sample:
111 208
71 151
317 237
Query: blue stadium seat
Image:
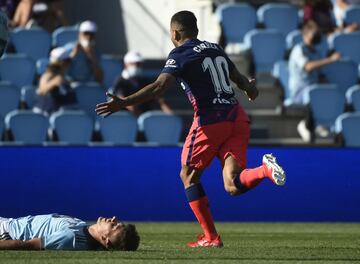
353 97
72 127
326 102
352 14
19 69
237 20
293 38
88 95
41 65
160 128
119 128
281 72
348 125
64 35
34 42
2 127
111 68
28 95
265 56
9 98
27 127
282 17
343 73
348 45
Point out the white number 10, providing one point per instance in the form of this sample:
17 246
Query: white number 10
219 72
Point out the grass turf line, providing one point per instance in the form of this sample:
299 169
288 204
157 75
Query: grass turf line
244 243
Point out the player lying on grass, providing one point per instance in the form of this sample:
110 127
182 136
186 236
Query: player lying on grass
60 232
220 128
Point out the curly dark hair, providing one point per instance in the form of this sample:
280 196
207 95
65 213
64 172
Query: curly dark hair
129 239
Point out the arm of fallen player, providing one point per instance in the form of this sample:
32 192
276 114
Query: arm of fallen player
149 92
33 244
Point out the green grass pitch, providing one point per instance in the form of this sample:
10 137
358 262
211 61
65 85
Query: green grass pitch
244 243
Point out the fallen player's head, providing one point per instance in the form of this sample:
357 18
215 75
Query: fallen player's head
115 235
183 25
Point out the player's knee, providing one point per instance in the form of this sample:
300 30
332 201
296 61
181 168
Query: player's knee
185 178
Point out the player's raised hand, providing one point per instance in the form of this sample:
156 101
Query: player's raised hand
107 108
251 91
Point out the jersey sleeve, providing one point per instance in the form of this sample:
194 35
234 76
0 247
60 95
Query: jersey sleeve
172 65
60 240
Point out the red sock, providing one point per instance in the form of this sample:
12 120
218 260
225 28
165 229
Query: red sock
250 178
202 212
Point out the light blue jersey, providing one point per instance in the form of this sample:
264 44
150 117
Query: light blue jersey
56 231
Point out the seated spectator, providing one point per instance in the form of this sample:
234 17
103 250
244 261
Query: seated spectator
54 88
321 12
305 62
48 15
131 80
340 7
22 13
60 232
85 65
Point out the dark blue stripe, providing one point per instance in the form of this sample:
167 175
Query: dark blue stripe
239 185
194 192
191 147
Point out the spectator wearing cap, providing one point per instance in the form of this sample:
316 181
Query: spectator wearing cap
54 89
85 64
131 80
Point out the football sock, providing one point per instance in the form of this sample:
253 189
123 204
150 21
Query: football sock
199 204
249 178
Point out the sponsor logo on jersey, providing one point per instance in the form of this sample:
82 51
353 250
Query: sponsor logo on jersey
170 63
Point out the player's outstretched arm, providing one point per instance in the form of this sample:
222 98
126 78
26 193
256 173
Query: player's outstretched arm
149 92
33 244
248 86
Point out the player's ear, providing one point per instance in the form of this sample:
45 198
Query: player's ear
177 35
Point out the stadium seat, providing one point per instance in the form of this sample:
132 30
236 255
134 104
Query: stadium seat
111 68
19 69
352 14
88 95
27 127
343 73
34 42
348 45
28 95
72 127
64 35
353 97
281 72
348 125
119 128
237 20
41 65
9 98
326 102
160 128
264 56
282 17
2 127
293 38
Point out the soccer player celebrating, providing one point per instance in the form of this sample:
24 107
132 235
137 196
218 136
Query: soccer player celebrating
60 232
220 128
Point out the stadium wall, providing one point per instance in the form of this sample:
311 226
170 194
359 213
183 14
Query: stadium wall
142 184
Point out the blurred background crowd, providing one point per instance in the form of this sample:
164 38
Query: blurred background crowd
64 55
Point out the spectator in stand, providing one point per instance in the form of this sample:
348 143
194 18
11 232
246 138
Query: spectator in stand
8 7
305 63
85 64
47 14
22 14
321 12
131 80
54 87
340 7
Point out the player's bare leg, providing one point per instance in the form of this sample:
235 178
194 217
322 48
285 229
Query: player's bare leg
199 204
238 181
